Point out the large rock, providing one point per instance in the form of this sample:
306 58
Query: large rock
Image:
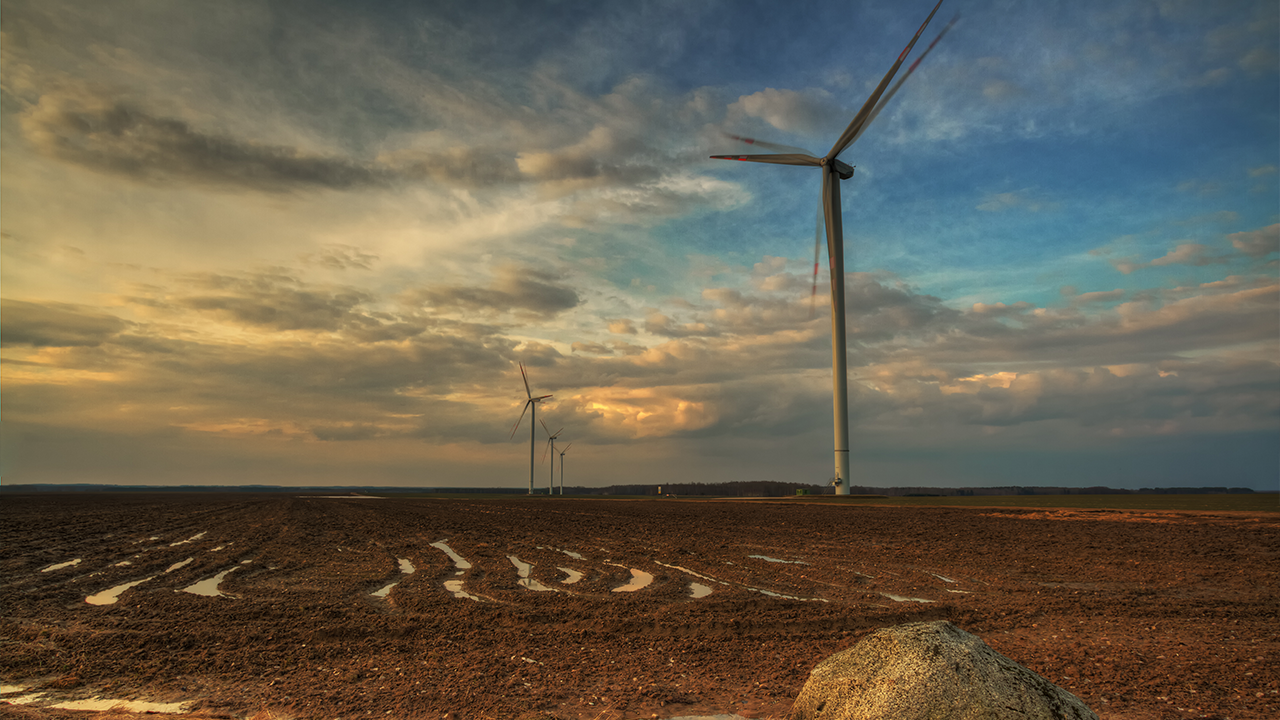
930 670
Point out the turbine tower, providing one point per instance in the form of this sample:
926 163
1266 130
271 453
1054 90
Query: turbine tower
833 171
532 402
562 452
551 445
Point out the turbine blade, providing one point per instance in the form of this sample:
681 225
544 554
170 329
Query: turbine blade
769 145
566 449
777 159
558 433
846 137
545 450
544 425
897 85
522 412
525 375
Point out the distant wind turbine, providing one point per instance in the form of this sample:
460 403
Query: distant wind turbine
532 402
833 171
551 445
562 452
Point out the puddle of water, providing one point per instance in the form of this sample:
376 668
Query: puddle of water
177 565
191 539
455 587
570 553
766 558
943 579
457 559
109 597
96 704
573 575
406 568
138 706
61 565
526 582
122 563
639 580
209 587
762 591
221 547
899 598
698 590
771 593
10 689
962 592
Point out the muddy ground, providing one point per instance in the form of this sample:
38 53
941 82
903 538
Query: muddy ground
1144 615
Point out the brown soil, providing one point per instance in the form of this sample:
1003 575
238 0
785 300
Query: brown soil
1145 616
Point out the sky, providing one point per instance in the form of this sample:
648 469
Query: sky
310 243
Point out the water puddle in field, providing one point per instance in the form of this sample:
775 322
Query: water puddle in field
572 576
639 580
177 565
766 558
762 591
221 547
110 596
570 553
900 598
943 579
523 569
103 704
209 587
455 587
698 590
458 561
59 566
406 568
191 539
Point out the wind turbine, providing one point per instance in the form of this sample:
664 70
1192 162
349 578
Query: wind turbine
833 171
562 452
532 402
551 445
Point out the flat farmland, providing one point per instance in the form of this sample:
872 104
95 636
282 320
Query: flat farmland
321 607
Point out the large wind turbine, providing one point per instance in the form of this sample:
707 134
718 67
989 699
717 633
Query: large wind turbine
562 452
532 402
551 445
833 171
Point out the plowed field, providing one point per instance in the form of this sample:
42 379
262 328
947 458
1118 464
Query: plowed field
240 604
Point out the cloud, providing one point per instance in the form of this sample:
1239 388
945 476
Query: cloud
1257 243
592 348
807 112
1188 254
622 327
55 324
1017 200
340 257
514 289
116 138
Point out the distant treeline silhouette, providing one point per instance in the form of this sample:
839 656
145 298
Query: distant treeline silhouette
765 488
736 488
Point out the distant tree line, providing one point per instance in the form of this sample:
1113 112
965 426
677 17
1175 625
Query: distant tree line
736 488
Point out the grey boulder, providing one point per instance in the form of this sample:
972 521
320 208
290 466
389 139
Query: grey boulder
930 670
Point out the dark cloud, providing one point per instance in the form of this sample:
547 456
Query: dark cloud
341 257
55 324
515 289
114 137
